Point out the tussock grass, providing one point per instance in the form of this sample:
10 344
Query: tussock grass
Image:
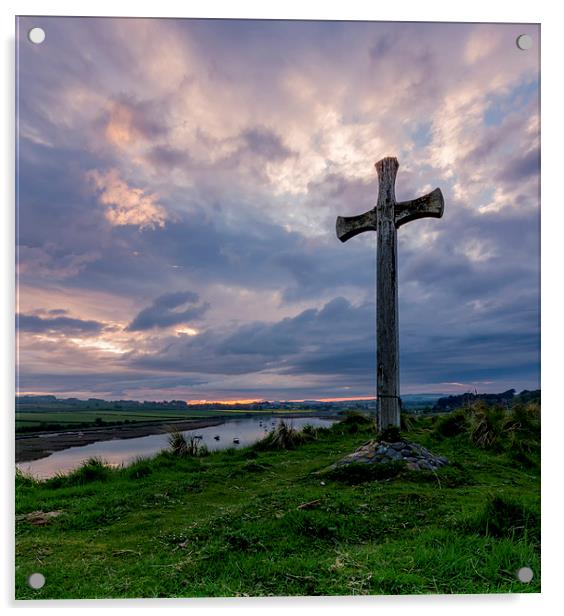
355 421
502 516
452 424
485 424
407 422
24 479
91 470
515 431
284 436
313 432
142 467
183 447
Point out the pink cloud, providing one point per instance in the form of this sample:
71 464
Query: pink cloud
125 205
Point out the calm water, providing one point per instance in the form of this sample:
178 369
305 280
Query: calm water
125 451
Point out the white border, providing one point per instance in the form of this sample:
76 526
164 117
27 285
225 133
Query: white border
543 11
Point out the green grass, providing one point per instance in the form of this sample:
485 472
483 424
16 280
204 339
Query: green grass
229 523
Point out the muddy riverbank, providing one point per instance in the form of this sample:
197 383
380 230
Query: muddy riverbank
39 445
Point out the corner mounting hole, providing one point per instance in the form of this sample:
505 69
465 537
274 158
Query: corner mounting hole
36 35
36 581
524 42
525 575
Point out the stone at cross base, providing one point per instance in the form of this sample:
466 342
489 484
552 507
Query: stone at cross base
385 218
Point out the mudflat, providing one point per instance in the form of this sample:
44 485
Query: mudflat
40 444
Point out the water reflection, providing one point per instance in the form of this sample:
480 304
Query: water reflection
125 451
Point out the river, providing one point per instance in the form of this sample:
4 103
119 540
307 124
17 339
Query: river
124 451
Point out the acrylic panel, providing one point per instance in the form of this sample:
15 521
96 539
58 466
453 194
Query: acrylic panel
277 312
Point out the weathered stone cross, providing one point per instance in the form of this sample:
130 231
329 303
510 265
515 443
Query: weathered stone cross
385 218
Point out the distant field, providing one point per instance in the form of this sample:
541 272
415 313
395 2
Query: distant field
35 418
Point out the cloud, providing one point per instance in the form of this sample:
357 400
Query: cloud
233 146
265 143
125 205
338 328
129 121
520 168
163 312
60 325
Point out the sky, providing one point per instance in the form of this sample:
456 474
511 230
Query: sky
178 183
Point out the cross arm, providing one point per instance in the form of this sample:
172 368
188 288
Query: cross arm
349 226
429 206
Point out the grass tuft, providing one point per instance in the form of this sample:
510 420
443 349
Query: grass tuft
356 473
485 424
515 431
452 424
284 436
23 480
139 469
407 422
183 447
507 517
91 470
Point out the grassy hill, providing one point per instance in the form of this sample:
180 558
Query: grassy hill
262 521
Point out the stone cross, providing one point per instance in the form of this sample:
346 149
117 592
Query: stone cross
385 218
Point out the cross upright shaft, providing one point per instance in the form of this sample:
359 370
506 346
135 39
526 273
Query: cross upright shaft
387 324
385 218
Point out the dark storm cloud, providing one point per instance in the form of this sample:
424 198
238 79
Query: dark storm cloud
338 342
260 345
163 312
64 325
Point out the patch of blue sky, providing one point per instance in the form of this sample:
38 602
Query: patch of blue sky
503 104
421 134
482 200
